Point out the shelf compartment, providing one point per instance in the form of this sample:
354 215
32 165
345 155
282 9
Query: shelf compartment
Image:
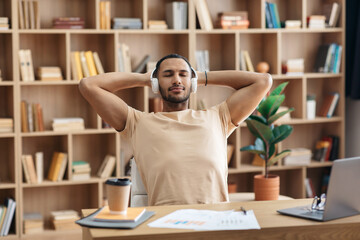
103 44
10 193
320 87
306 135
293 96
59 102
7 102
307 45
55 198
289 10
6 60
66 8
156 10
244 181
252 7
318 177
7 160
317 8
134 97
161 44
46 144
98 146
46 50
290 178
266 49
221 47
5 10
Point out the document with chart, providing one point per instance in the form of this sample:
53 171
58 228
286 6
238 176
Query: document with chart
207 220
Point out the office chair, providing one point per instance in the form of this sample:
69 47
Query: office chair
138 196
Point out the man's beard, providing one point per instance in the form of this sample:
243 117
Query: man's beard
173 99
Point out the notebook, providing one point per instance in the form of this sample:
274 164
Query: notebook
343 195
132 215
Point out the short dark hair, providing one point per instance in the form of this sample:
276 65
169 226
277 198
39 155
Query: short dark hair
172 55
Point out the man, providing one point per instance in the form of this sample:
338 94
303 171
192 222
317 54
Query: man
180 152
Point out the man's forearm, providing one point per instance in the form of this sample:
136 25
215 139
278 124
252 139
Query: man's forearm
116 81
232 78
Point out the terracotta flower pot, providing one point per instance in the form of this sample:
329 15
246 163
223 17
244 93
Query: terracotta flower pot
266 188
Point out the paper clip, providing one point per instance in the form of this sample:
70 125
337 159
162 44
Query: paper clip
318 203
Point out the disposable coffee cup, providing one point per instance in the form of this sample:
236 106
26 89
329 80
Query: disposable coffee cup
118 193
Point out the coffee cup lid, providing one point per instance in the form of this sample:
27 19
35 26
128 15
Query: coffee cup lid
118 181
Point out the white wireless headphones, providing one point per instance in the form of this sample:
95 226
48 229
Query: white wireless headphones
155 82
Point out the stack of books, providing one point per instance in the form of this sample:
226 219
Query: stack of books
58 166
202 60
298 157
233 20
107 167
157 24
6 125
4 23
293 67
32 119
65 219
49 73
127 23
85 64
177 15
317 21
80 170
68 23
327 149
293 24
33 223
68 124
7 212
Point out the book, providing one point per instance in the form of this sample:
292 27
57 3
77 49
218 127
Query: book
39 163
24 116
176 15
141 66
309 187
334 15
9 216
248 61
90 63
132 215
31 168
25 169
203 14
84 65
29 65
107 166
33 223
99 67
21 14
23 66
79 70
298 157
320 150
334 153
329 104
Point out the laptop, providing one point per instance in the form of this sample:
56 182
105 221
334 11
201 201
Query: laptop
343 194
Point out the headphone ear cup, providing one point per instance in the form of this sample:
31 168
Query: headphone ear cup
193 85
194 81
155 85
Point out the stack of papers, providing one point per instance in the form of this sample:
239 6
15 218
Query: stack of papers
207 220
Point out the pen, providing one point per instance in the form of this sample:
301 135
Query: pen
243 210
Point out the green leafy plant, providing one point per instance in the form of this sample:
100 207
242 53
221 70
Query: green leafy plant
263 128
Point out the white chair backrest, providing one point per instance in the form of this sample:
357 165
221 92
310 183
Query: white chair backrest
138 194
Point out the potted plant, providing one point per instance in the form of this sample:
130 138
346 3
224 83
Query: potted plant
267 136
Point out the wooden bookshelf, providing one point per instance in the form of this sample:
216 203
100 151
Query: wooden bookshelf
52 47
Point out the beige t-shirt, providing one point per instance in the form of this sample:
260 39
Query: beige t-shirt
181 156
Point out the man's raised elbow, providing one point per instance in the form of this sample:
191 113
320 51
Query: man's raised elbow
84 85
267 81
